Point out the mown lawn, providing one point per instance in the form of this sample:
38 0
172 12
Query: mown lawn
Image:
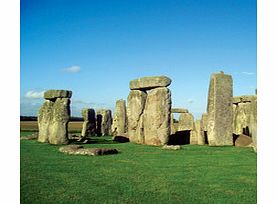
138 174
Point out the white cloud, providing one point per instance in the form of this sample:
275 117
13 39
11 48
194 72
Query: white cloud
248 73
34 94
72 69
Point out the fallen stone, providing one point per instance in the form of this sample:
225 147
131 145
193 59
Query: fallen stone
53 94
147 83
243 141
172 147
80 150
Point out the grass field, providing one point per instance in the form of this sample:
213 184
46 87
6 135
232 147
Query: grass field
33 125
138 174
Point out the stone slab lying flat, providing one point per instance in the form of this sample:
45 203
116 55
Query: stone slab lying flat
146 83
52 94
80 150
244 99
172 147
179 110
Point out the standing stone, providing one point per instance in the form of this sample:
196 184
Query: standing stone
58 129
104 122
204 122
203 129
53 117
119 126
253 123
186 122
147 83
193 135
135 107
242 111
89 124
220 110
156 116
44 119
173 130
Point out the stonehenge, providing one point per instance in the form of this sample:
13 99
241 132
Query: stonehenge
104 122
149 110
220 110
53 117
149 119
89 124
119 124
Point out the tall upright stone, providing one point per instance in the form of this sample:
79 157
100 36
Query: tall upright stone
156 116
173 130
253 122
220 110
135 107
149 110
104 122
203 129
89 124
53 117
119 126
44 119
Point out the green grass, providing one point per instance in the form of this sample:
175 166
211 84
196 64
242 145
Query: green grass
138 174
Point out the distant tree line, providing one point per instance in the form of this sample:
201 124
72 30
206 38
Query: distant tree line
34 118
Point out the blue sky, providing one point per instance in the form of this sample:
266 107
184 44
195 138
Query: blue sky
94 48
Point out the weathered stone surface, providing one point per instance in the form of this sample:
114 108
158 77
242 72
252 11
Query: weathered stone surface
186 122
104 122
241 118
135 107
59 123
80 150
179 110
53 117
119 126
204 122
243 141
172 147
253 123
197 131
156 116
172 125
244 99
245 116
193 135
89 124
146 83
220 110
53 94
44 119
